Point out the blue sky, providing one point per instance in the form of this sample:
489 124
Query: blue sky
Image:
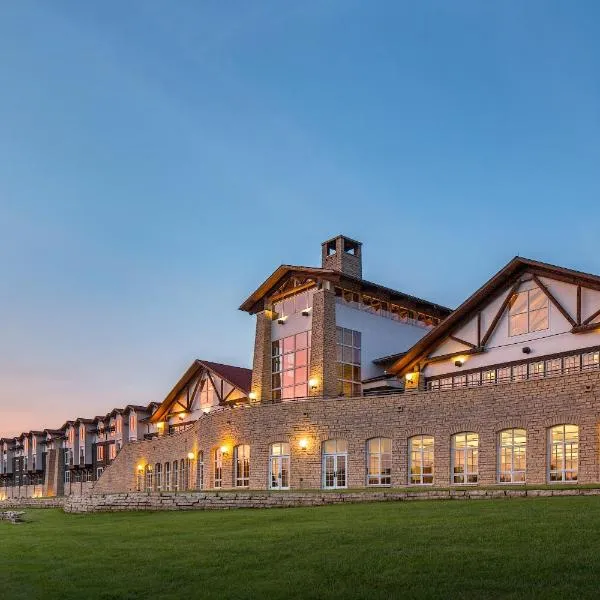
158 160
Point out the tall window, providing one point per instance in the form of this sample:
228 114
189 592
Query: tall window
512 456
149 478
100 453
528 312
420 455
564 453
175 476
132 426
348 362
112 451
200 471
279 466
290 361
167 484
183 484
218 481
379 461
465 456
158 476
242 465
335 464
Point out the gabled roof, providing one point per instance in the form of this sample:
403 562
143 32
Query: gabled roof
249 305
506 276
277 275
238 377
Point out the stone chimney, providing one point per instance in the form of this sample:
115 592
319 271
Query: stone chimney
342 254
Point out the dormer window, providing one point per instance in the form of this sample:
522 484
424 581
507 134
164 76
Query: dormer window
528 312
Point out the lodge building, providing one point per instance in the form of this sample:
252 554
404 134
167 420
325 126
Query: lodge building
355 385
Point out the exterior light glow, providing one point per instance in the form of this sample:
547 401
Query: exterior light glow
140 467
303 443
191 455
224 449
252 395
312 382
181 416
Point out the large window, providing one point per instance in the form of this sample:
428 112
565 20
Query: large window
279 466
512 456
528 312
158 476
167 485
200 471
348 362
290 362
465 458
242 465
218 468
183 480
379 461
175 477
420 456
293 304
149 478
564 453
335 464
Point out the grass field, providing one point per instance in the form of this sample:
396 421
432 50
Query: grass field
530 548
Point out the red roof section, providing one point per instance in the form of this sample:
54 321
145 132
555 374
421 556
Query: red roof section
238 376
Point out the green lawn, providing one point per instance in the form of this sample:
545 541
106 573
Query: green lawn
519 548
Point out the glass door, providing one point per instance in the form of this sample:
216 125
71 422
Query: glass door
279 471
335 464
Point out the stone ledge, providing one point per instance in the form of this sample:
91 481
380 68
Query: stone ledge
233 500
56 502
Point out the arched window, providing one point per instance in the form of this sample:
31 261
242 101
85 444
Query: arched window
335 464
465 458
200 471
420 457
279 466
167 484
563 445
512 456
379 461
175 476
218 470
242 465
158 476
149 478
139 476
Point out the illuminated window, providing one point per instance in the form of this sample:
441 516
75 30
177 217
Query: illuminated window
474 379
348 362
132 426
446 383
379 461
200 471
554 366
100 453
67 476
218 468
564 453
279 466
512 456
571 363
149 478
183 470
112 451
590 360
504 374
420 456
465 455
175 476
488 377
536 369
242 465
335 464
528 312
290 363
119 425
520 372
293 304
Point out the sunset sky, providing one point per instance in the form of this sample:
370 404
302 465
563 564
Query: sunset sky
158 160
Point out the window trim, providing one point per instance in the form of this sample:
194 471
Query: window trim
421 452
512 446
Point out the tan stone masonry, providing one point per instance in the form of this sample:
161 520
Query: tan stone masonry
534 405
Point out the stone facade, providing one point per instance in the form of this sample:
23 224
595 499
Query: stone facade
534 405
323 345
261 368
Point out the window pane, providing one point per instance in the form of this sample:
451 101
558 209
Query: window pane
301 340
356 339
518 324
347 337
538 320
518 303
301 357
288 344
537 299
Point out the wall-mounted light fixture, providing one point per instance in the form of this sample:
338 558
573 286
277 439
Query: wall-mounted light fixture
313 383
306 312
140 468
191 455
526 350
303 443
224 450
281 320
181 416
252 395
458 363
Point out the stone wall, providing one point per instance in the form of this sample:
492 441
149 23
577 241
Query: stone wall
534 405
18 503
231 500
22 491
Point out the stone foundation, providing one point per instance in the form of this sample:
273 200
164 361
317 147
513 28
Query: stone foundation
56 502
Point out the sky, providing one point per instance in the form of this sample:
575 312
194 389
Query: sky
159 159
